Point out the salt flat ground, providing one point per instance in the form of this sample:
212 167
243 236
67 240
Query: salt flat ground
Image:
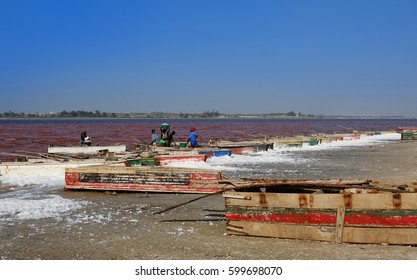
106 226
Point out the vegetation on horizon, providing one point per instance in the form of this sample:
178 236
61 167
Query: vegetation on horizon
98 114
167 115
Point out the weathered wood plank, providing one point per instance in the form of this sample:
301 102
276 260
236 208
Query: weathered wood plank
137 169
86 149
325 233
384 200
146 179
236 196
371 218
340 219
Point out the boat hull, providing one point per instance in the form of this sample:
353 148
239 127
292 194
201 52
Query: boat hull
215 153
12 172
141 162
164 160
243 149
363 213
409 135
89 150
143 179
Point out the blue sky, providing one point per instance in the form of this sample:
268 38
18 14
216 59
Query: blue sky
315 57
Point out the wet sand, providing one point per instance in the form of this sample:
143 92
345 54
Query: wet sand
123 226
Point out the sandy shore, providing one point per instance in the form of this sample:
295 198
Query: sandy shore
123 226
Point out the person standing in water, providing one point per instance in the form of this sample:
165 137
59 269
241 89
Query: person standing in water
83 138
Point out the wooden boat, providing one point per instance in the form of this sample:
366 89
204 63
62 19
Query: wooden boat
403 129
298 142
164 160
27 170
172 155
293 145
241 147
351 137
148 161
215 153
310 142
409 135
144 179
86 149
333 211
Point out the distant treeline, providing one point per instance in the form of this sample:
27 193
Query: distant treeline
63 114
98 114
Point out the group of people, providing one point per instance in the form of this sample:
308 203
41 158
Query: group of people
167 137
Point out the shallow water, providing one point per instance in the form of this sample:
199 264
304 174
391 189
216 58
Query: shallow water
34 135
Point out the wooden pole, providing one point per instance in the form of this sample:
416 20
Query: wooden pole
193 220
184 203
204 196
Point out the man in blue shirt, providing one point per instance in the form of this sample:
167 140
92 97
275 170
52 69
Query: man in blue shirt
192 138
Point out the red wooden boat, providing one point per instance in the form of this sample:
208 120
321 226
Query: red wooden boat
338 211
143 179
403 129
164 160
244 147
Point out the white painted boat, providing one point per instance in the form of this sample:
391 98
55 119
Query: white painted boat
43 170
89 150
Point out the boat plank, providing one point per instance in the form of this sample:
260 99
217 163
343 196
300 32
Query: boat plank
146 179
134 169
86 149
325 233
340 220
383 200
370 218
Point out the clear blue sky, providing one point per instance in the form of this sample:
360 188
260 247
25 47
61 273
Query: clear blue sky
320 57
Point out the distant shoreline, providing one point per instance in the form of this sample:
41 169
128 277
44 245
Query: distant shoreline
219 118
170 115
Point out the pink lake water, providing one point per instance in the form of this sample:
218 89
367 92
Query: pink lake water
34 135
